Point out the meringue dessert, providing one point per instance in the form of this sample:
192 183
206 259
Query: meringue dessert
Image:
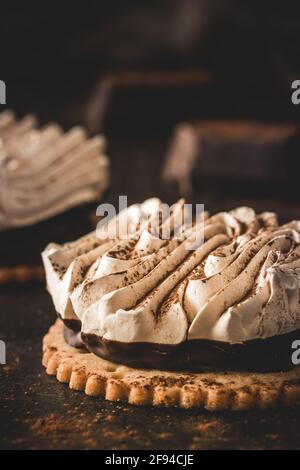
45 172
232 303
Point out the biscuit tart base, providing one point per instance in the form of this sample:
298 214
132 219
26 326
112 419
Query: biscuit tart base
211 390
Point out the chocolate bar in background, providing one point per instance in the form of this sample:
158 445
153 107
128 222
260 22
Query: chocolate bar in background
150 101
248 157
140 101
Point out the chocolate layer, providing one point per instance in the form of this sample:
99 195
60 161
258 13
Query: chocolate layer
74 326
248 158
73 338
260 355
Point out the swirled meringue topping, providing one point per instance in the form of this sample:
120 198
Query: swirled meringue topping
241 283
44 171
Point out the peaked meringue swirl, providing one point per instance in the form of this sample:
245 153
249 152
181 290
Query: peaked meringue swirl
242 283
44 171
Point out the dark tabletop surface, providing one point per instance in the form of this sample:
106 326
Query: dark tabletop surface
37 412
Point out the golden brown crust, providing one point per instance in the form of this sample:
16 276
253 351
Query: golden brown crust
21 274
211 390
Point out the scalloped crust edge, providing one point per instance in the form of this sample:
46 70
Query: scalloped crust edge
212 390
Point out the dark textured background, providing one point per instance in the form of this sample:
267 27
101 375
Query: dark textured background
250 50
134 70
